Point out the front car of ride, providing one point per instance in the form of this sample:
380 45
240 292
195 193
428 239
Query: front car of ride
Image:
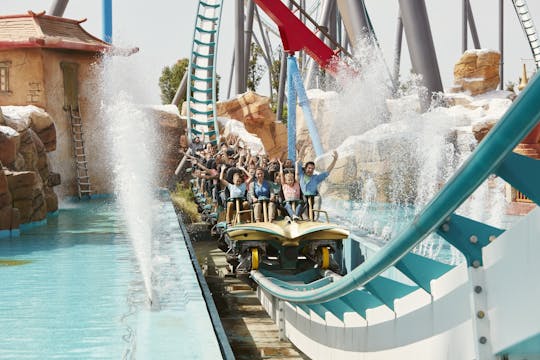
285 245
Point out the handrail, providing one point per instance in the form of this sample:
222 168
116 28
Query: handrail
517 122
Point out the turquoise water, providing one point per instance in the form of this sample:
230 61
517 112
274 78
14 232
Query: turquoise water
81 296
379 223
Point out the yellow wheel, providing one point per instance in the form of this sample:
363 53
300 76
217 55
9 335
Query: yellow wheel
254 259
325 258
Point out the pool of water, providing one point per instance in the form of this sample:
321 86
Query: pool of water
71 289
379 223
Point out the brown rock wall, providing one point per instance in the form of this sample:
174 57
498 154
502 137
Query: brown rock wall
9 146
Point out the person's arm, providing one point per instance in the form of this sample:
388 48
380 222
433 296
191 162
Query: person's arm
235 145
281 176
249 177
333 163
221 176
198 163
298 171
251 194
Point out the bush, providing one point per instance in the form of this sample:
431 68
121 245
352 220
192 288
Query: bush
184 202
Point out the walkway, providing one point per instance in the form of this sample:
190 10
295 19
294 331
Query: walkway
251 332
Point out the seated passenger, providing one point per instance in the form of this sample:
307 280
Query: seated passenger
237 190
260 190
291 194
309 182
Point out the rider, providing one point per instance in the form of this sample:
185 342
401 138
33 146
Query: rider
237 190
309 182
260 190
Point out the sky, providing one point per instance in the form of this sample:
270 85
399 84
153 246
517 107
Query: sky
163 29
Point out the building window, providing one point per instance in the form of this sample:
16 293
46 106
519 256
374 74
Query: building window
4 76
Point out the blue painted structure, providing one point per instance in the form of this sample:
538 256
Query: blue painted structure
296 89
107 21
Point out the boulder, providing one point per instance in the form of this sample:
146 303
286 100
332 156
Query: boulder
28 150
481 129
9 145
48 137
51 199
3 182
53 179
170 128
5 199
254 112
6 214
21 118
20 179
477 71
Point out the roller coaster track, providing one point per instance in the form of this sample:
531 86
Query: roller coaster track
527 24
315 302
201 86
493 156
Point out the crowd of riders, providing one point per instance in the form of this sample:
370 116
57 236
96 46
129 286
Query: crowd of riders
251 186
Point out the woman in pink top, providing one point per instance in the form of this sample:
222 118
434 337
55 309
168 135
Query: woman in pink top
291 193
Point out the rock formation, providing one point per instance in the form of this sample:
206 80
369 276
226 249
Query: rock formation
171 132
477 71
26 181
254 112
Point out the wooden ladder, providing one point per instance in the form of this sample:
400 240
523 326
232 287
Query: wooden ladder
79 153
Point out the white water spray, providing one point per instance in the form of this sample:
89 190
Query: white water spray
132 139
408 154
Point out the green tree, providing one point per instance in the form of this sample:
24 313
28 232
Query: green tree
170 80
255 70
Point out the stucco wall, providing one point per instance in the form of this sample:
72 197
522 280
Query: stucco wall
25 78
62 160
36 78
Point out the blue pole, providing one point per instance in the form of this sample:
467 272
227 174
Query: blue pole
306 108
107 21
291 110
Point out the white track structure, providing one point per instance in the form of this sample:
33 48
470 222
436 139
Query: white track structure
489 312
527 24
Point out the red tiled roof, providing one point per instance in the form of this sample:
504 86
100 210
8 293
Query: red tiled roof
40 30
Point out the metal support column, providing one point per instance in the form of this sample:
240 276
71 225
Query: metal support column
181 91
472 26
281 88
58 7
420 42
324 21
353 15
464 34
239 48
397 52
248 35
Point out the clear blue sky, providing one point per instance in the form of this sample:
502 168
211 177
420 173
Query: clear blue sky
162 29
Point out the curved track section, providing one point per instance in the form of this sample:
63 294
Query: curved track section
201 90
527 24
428 310
493 156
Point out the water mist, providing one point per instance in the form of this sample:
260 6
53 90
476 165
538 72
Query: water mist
132 139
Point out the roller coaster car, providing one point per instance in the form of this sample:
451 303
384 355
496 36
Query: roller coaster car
284 244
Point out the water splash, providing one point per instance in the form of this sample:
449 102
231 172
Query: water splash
403 153
131 135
